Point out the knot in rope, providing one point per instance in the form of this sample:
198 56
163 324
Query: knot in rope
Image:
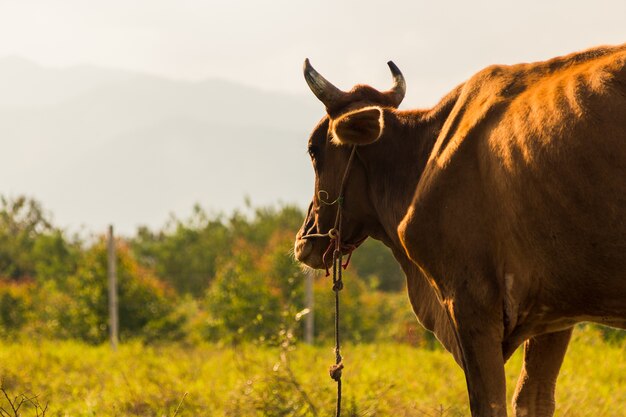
335 371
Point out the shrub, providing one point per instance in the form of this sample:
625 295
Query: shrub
142 299
15 302
364 312
242 304
257 293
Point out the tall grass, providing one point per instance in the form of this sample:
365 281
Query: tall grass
383 379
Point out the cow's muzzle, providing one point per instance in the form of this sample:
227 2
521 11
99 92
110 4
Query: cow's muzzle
308 245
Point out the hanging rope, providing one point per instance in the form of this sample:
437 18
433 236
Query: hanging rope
335 246
335 370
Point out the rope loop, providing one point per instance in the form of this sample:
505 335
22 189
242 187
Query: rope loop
324 200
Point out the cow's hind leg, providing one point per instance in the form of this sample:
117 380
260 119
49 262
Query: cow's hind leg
543 356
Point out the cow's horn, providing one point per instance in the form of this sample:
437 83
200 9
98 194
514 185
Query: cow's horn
321 87
398 90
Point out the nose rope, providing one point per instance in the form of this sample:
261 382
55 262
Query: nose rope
336 246
338 201
331 248
334 233
335 370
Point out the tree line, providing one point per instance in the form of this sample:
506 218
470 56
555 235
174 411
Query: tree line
207 277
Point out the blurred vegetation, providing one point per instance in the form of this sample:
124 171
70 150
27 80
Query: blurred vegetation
221 278
192 290
205 278
383 379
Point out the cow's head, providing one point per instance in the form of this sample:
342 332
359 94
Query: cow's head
354 118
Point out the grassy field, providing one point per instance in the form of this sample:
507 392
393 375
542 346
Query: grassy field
75 379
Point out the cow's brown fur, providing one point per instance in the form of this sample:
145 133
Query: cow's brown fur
506 207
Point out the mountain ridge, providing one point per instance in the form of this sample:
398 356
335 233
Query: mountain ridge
58 144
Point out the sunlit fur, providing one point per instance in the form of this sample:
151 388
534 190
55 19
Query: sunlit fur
518 172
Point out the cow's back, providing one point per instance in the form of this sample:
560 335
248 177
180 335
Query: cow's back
529 171
555 163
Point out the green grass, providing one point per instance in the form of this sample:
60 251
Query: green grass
75 379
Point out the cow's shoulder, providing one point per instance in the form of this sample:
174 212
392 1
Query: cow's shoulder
514 136
526 150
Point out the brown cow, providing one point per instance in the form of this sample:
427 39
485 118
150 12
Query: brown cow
505 204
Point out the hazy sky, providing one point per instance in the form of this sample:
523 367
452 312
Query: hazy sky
263 43
437 44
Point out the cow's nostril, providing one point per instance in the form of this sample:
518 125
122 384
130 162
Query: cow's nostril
309 224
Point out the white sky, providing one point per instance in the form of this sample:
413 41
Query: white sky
263 43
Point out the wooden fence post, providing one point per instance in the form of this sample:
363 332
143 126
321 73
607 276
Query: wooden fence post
309 319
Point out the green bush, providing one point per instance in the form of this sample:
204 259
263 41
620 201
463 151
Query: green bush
185 254
81 310
54 257
15 303
375 264
22 222
257 293
364 312
242 304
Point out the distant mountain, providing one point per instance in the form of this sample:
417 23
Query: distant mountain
24 83
98 145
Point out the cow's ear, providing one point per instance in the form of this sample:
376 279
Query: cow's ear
359 127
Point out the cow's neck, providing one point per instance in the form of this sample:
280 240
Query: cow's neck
395 163
393 171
